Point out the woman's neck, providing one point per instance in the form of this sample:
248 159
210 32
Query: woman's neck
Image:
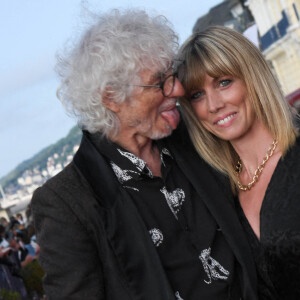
252 147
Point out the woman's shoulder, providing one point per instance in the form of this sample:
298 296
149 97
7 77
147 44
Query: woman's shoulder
293 153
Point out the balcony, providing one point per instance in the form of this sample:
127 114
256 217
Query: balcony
275 32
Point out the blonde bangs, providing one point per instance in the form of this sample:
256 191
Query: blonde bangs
206 60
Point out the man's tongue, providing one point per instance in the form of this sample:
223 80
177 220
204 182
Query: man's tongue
172 116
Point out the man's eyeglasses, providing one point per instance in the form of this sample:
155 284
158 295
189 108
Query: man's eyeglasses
166 85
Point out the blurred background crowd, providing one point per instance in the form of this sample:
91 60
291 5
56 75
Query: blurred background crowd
20 273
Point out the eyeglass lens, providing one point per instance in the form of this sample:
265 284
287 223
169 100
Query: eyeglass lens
169 85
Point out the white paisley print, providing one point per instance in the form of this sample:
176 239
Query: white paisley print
164 151
138 162
122 175
157 236
212 267
174 199
177 295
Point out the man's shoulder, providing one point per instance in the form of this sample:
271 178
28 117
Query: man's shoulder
67 184
65 179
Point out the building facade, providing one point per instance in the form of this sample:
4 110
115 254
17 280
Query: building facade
230 13
278 23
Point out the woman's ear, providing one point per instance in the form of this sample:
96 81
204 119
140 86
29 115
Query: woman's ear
108 100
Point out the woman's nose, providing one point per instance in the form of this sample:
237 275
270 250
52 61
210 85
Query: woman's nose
215 103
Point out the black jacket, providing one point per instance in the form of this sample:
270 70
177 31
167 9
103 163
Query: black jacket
94 244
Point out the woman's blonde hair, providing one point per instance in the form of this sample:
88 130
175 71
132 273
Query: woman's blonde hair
219 51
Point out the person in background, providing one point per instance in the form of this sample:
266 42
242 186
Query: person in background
10 267
14 223
4 222
20 219
3 242
28 214
136 215
32 237
242 126
28 252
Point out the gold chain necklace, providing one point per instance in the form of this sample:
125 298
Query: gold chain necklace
258 171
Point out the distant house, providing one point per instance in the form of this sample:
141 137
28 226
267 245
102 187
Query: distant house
278 24
230 13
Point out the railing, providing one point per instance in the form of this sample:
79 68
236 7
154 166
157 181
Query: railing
275 32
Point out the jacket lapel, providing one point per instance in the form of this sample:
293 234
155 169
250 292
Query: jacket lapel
126 233
219 202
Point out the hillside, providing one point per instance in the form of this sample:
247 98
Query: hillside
39 161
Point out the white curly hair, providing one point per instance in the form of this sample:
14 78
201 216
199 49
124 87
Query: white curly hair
108 57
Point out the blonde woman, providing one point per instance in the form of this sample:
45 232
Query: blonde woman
241 125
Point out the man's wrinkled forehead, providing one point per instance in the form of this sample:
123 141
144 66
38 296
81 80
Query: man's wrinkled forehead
169 67
156 72
159 74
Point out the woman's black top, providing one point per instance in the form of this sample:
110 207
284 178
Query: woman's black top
277 253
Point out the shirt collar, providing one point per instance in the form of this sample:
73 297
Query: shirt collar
124 162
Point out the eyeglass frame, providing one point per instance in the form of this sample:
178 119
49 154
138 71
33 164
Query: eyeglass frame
163 82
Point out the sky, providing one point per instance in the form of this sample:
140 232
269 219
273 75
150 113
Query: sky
32 32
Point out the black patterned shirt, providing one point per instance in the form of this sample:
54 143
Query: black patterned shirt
198 262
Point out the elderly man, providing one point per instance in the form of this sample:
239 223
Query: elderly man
136 215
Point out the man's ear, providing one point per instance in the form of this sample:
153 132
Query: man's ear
108 100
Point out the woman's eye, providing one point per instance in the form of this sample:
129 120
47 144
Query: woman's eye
225 82
196 95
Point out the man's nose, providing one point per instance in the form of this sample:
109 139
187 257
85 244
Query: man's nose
178 90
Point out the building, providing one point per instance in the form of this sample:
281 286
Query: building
230 13
278 23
